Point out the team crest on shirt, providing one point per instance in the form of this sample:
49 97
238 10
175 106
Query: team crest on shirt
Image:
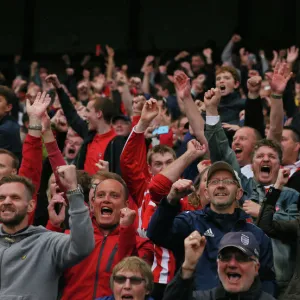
245 239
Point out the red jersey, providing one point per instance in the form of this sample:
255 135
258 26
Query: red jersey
96 150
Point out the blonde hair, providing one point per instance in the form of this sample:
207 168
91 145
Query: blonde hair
134 264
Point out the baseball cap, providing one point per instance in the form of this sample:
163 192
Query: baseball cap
223 166
121 117
244 241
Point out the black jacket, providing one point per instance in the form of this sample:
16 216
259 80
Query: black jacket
287 232
10 136
182 289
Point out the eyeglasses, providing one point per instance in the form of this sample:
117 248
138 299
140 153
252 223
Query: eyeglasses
223 181
134 280
239 257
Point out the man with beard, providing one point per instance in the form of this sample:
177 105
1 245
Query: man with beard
40 254
223 190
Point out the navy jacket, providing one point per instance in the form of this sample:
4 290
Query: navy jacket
168 229
10 136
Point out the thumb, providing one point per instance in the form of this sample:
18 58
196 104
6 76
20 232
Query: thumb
28 104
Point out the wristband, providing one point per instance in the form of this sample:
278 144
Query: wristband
276 96
35 127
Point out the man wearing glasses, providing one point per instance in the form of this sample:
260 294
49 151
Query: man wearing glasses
222 215
237 263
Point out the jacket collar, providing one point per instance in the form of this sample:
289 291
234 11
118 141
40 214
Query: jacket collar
115 230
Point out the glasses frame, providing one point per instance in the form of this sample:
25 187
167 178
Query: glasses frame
134 280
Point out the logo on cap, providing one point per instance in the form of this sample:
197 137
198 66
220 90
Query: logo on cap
245 239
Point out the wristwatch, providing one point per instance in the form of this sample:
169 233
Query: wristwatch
78 190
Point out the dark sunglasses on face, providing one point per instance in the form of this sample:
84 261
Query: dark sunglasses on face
239 257
134 280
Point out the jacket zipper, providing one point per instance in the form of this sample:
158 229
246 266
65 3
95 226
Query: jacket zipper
98 265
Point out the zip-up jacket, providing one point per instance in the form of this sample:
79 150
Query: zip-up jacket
90 278
32 260
168 229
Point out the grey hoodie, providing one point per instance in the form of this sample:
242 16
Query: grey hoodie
33 260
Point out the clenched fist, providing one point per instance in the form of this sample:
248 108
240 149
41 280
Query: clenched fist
127 217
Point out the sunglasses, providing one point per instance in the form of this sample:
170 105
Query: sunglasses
134 280
239 257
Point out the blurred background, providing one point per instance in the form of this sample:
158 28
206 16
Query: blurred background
44 30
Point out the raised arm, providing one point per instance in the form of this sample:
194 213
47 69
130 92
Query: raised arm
133 160
54 154
254 108
158 187
227 52
283 230
181 287
278 82
74 120
32 162
166 228
183 88
71 249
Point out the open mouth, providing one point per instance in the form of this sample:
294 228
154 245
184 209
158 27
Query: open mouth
71 151
222 87
127 297
265 170
238 150
233 277
106 211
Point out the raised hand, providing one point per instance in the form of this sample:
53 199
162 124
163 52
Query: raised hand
292 54
149 113
280 77
138 104
194 246
182 85
212 99
180 189
127 216
196 149
60 122
254 85
282 178
251 208
110 51
67 176
230 127
55 218
236 38
103 165
37 109
203 164
52 78
181 55
207 52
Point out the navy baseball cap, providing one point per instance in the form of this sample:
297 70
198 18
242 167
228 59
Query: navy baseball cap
244 241
121 117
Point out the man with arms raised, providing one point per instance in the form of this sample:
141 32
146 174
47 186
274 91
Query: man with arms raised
34 251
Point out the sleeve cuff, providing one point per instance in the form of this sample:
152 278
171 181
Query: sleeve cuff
212 120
